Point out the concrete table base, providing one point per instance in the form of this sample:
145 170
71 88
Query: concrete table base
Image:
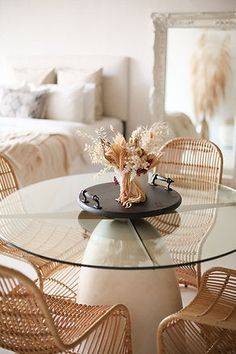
150 295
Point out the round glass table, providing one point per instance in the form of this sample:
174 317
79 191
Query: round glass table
129 261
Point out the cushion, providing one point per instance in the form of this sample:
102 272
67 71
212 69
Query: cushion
89 103
180 125
65 103
68 76
37 76
22 102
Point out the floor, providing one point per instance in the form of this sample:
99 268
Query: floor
186 293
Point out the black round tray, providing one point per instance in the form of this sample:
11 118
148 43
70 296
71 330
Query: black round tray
101 200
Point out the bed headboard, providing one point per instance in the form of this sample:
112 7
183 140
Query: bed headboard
115 80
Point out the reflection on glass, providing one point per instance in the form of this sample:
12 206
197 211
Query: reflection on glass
125 243
83 239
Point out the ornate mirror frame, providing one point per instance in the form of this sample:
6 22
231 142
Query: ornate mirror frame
162 22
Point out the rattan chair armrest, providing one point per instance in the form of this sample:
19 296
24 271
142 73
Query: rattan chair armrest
167 322
67 324
109 312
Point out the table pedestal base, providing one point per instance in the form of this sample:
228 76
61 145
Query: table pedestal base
150 295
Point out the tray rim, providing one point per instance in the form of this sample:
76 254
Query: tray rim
127 213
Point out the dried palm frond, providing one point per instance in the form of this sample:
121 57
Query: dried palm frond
210 70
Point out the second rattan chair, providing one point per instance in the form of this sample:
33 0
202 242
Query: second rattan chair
32 322
208 323
54 277
189 160
195 165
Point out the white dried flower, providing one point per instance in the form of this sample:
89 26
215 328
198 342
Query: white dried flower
135 156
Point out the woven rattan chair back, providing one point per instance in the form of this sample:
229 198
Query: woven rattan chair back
208 323
8 185
33 322
191 161
195 165
54 277
8 181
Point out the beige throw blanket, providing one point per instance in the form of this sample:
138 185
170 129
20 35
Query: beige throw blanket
38 156
40 149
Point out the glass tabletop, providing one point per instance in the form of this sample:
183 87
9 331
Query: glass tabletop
46 220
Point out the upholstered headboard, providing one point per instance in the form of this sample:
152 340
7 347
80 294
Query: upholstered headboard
115 80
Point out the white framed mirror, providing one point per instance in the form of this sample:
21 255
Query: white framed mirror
194 73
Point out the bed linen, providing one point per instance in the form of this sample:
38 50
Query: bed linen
41 149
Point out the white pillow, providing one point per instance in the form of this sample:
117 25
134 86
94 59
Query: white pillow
65 103
70 76
89 103
86 97
36 76
22 102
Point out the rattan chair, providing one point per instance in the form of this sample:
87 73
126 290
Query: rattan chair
195 165
53 277
191 160
208 323
33 322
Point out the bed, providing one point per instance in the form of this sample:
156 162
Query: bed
40 148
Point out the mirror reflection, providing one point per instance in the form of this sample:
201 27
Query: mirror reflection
194 79
200 82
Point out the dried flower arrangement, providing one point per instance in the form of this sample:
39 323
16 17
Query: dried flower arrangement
130 159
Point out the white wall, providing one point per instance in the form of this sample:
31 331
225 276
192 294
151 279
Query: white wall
115 27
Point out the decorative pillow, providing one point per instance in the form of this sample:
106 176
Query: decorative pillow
65 103
69 76
21 102
180 125
36 76
89 103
